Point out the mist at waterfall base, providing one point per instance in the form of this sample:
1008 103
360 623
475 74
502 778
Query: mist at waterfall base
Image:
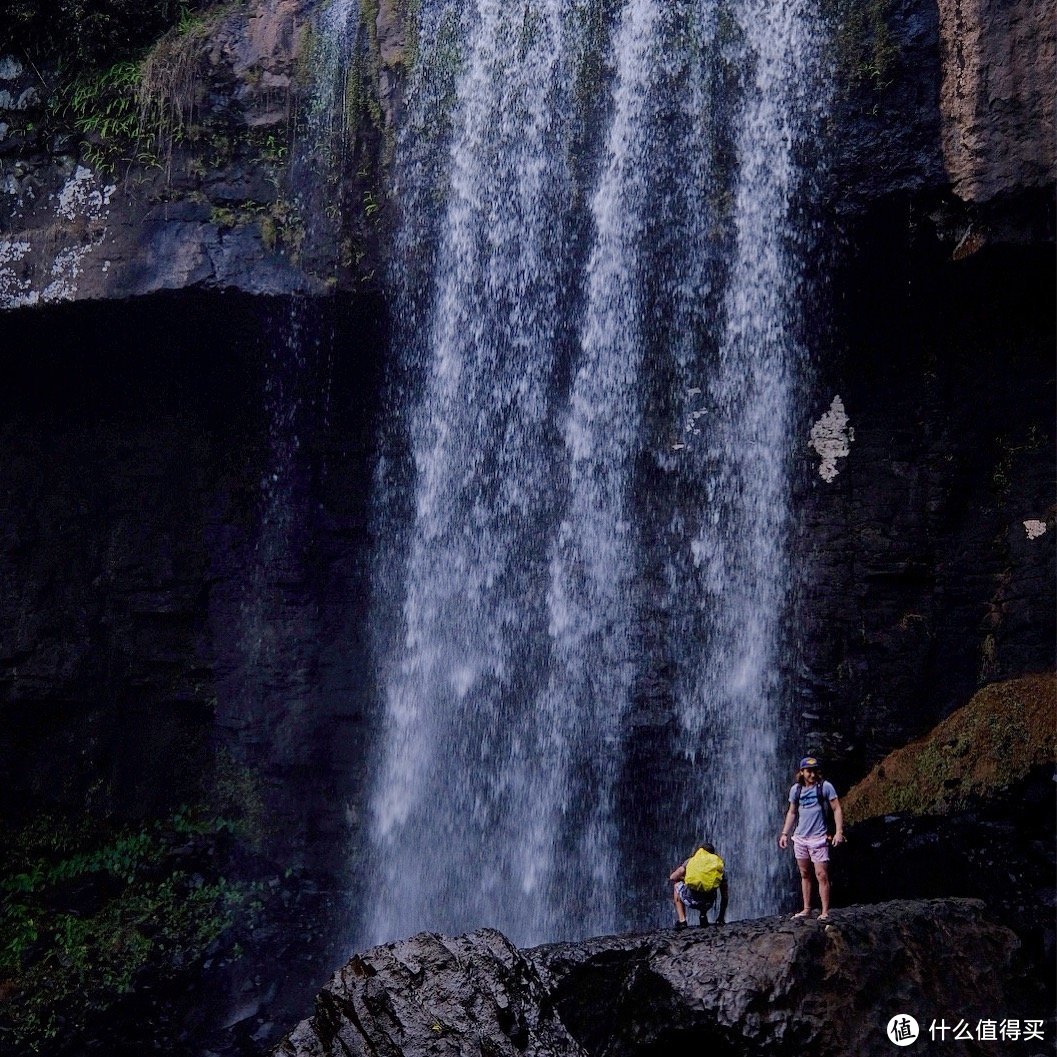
582 579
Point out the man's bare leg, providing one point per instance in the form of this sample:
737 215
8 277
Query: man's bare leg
680 906
804 866
822 873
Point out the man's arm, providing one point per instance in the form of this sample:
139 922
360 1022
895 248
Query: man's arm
678 873
787 826
838 819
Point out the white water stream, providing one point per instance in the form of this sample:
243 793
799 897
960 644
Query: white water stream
590 431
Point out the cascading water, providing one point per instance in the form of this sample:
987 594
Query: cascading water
730 694
465 747
320 144
585 482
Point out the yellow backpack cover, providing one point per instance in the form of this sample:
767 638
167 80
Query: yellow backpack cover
704 871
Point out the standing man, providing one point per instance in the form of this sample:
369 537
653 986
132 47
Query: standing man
816 813
697 880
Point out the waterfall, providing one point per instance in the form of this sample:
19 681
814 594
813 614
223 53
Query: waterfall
730 694
583 484
323 128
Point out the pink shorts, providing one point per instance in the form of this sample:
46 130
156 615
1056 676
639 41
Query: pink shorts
814 848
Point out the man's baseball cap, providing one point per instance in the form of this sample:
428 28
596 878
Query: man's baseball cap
809 761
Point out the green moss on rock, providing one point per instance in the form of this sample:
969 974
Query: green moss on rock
864 50
981 749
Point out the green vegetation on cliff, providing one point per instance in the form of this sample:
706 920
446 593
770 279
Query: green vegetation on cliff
124 77
864 50
986 746
92 910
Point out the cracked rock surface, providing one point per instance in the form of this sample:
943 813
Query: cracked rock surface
772 986
435 995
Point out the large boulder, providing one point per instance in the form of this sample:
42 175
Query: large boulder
435 995
768 987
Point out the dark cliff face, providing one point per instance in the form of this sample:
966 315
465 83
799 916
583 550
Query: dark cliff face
924 542
185 489
923 573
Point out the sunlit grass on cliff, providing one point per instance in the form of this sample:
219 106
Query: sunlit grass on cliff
986 746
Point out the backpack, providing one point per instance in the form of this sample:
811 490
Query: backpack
824 804
704 871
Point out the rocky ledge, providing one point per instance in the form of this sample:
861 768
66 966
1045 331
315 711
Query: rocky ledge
205 163
772 986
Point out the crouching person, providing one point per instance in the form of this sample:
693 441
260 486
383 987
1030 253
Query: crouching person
696 882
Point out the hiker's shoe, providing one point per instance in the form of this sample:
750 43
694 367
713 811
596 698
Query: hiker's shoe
680 924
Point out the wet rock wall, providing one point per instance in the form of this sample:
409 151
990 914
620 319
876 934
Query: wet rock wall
185 530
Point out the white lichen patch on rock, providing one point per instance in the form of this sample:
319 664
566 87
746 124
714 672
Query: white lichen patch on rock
64 272
831 437
82 207
81 197
16 100
15 287
1034 528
